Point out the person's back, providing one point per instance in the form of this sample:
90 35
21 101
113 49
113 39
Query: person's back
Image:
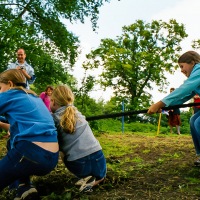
79 144
33 135
25 122
82 152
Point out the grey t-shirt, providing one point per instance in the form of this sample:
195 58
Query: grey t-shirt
79 144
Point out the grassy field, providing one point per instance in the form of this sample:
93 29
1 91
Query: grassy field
139 166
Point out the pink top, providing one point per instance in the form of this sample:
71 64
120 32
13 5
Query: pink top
46 99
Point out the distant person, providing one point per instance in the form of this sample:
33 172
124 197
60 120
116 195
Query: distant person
174 119
45 96
26 69
33 146
189 63
196 100
82 153
22 65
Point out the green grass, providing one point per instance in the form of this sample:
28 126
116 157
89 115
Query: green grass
139 165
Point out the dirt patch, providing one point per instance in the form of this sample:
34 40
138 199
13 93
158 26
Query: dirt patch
143 167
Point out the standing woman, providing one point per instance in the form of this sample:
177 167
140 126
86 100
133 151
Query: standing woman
33 136
189 64
82 152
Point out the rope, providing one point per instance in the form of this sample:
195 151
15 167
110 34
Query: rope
128 113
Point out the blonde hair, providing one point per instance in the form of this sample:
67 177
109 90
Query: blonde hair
18 79
63 96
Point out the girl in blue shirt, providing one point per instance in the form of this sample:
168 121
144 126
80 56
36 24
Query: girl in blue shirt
189 63
33 136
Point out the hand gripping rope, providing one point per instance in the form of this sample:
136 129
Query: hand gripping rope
133 112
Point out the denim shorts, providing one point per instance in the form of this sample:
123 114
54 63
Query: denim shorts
24 160
91 165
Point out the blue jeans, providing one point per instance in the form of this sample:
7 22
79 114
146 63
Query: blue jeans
195 131
24 160
196 109
3 119
91 165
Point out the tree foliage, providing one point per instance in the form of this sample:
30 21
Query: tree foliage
37 26
138 60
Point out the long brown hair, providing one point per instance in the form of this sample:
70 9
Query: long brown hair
189 56
63 96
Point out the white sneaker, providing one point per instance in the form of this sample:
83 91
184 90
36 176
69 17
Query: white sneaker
26 192
87 186
83 180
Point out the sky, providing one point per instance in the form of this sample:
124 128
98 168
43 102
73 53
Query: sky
116 14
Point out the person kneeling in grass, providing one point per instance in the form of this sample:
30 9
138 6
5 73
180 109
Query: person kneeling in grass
33 145
82 153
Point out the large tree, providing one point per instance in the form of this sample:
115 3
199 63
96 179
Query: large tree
138 60
37 26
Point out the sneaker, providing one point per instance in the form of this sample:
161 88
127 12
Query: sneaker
26 192
88 189
83 180
87 186
197 162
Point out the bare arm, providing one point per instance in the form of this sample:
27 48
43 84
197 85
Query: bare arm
4 126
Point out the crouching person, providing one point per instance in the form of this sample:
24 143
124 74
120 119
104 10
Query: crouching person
82 152
33 136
